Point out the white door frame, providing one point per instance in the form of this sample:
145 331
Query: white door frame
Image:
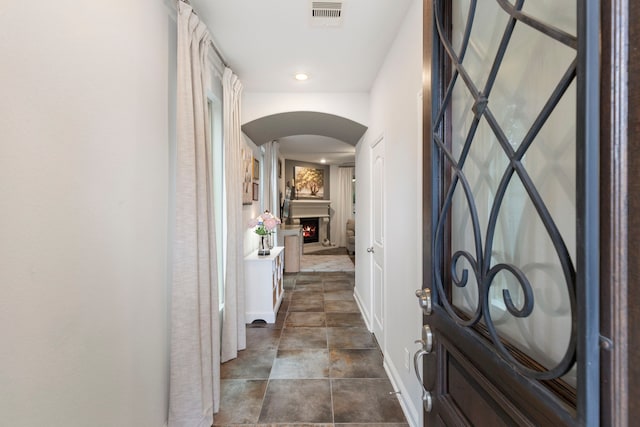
378 287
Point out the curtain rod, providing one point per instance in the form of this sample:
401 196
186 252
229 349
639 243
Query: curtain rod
215 49
213 45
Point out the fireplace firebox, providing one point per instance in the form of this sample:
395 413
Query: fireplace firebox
310 231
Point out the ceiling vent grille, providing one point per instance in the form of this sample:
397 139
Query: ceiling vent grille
326 13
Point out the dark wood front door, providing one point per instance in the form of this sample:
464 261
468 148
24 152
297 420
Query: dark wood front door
511 334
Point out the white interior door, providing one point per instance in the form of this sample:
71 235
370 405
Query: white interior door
377 240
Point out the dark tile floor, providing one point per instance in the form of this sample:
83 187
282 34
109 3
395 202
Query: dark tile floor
317 365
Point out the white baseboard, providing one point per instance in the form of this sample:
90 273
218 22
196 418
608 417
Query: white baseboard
365 313
406 403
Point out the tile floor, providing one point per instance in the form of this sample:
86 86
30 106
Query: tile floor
317 365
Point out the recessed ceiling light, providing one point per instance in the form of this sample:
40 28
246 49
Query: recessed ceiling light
323 160
302 77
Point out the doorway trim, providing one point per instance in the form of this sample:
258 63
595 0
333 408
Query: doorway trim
378 314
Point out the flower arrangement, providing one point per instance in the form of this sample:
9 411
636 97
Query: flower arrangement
264 223
263 227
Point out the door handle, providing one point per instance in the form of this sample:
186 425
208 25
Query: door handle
427 346
427 339
370 250
424 300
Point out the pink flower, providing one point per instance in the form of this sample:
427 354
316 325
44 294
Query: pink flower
270 223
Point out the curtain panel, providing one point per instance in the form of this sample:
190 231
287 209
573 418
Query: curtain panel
344 209
269 178
233 325
195 330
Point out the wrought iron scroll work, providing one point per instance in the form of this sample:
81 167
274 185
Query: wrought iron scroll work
480 262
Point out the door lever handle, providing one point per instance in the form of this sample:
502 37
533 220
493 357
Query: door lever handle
427 399
427 346
370 250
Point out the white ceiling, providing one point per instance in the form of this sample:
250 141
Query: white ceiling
266 42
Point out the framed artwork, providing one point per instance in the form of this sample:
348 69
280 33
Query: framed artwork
246 176
256 169
256 188
309 182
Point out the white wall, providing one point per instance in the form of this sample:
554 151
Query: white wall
395 116
84 195
353 106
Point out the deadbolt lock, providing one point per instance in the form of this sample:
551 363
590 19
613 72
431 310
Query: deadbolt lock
424 300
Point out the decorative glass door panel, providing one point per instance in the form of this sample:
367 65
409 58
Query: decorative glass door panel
506 132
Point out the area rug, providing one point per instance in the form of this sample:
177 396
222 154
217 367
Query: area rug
326 263
322 250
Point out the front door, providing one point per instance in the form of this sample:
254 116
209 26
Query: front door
511 203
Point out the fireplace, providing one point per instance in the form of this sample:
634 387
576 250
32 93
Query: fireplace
317 211
310 229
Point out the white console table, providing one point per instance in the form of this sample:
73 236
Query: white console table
263 285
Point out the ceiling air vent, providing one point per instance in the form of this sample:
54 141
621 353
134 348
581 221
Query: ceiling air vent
326 13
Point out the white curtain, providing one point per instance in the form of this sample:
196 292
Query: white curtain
195 330
270 186
233 325
344 209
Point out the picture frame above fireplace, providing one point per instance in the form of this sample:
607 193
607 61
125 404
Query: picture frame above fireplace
309 182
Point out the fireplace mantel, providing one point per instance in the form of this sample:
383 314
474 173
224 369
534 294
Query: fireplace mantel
299 209
309 209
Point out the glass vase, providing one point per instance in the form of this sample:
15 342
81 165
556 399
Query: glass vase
263 246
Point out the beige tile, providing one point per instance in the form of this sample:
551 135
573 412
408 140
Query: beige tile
240 402
250 364
345 319
365 401
297 401
301 364
341 307
350 338
302 319
357 363
303 338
